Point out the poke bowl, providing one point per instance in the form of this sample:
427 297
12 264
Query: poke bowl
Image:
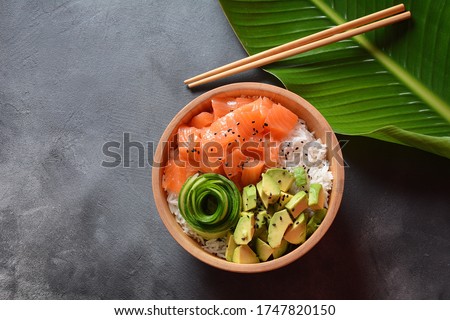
248 177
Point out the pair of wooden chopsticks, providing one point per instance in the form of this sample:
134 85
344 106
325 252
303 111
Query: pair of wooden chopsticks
322 38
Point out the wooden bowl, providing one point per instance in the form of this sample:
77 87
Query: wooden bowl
315 122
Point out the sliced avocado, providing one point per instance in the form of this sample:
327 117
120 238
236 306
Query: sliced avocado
243 254
280 221
301 178
316 198
283 177
270 188
264 198
296 233
297 204
243 233
263 250
315 221
282 201
280 250
249 197
261 219
231 245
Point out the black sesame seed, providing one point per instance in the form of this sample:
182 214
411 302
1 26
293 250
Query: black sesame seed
253 121
279 181
281 218
238 123
274 224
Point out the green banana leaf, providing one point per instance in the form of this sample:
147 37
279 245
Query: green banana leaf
391 84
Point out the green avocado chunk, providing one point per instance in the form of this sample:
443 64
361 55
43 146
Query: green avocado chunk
280 250
280 221
270 188
243 254
249 197
296 233
264 198
263 250
261 218
283 177
315 221
297 204
243 233
316 198
231 245
282 201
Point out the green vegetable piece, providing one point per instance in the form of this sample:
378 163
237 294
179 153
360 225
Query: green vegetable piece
261 218
282 201
264 198
270 188
231 245
316 198
249 198
210 204
296 233
280 250
283 177
301 178
243 233
297 204
243 254
315 221
280 221
263 250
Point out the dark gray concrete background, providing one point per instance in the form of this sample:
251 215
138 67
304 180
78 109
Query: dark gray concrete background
76 74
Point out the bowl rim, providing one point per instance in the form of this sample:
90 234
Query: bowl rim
189 244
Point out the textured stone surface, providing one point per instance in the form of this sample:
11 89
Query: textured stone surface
76 74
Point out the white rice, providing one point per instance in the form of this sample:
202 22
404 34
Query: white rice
300 148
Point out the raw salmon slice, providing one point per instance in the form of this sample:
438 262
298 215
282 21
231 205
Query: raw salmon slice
175 174
202 120
251 172
280 121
